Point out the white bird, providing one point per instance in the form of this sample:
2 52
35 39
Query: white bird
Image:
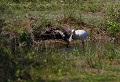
78 34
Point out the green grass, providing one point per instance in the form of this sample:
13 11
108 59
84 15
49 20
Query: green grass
63 65
97 61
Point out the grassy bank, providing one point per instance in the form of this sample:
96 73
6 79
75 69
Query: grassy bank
22 60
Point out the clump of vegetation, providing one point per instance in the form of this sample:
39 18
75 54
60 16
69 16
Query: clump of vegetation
113 28
2 23
113 13
71 19
25 38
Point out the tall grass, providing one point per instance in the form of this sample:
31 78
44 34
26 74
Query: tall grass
97 60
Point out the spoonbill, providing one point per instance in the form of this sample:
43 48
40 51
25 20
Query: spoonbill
78 34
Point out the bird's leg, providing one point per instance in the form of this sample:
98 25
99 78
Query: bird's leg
46 48
83 47
83 42
67 43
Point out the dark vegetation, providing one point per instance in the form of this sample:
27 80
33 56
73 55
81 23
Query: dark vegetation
26 57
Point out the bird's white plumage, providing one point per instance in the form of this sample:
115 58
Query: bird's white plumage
78 34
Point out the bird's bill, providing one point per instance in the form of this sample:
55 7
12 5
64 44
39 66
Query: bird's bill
70 39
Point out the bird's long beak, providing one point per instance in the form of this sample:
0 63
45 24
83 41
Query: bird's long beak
70 39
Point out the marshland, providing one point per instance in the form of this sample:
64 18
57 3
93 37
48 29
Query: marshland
25 57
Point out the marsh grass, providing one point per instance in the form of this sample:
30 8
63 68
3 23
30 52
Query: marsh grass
97 60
